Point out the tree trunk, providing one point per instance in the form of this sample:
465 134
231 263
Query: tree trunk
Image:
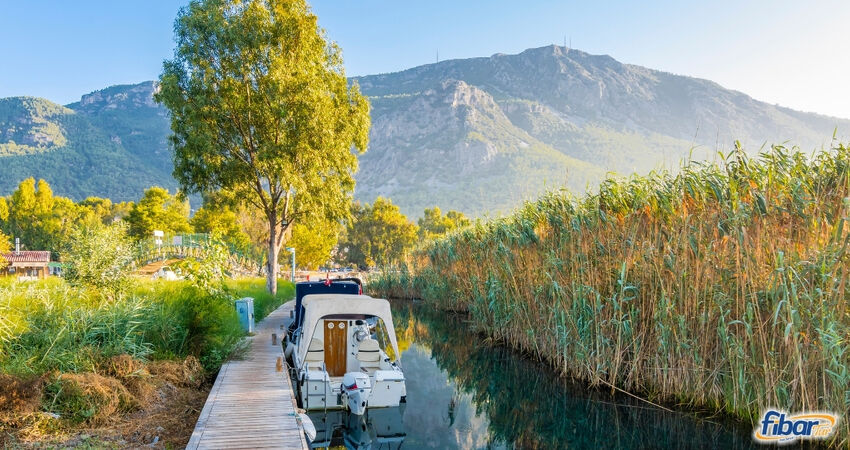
274 250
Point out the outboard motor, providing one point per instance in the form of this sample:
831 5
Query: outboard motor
356 389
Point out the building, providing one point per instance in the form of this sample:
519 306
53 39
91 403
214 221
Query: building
27 264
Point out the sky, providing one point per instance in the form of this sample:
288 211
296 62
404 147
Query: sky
791 53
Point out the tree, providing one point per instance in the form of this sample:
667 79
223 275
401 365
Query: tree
260 106
158 210
379 234
4 209
104 210
314 242
220 220
5 247
40 220
433 224
97 255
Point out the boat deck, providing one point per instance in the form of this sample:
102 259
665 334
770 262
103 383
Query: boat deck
251 404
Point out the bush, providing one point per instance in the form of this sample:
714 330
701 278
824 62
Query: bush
97 256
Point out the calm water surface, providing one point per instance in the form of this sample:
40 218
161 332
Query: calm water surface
462 393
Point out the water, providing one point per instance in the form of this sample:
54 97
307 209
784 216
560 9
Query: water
463 393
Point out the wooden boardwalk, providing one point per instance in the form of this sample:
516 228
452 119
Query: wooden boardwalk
251 405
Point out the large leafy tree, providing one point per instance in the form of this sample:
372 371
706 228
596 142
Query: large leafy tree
5 247
158 210
434 224
378 234
41 220
219 219
314 242
260 106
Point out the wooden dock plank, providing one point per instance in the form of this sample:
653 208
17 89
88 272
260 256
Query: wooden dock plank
251 405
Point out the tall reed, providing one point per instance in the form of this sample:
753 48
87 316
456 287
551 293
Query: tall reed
723 285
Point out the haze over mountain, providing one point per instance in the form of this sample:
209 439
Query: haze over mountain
478 135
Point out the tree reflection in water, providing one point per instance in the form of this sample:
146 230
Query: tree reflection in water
465 393
490 396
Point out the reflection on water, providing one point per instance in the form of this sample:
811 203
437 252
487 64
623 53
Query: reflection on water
462 393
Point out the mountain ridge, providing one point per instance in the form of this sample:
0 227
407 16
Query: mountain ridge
478 134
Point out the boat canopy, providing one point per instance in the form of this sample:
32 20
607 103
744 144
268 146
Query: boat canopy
319 306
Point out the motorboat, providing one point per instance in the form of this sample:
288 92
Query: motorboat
381 428
339 353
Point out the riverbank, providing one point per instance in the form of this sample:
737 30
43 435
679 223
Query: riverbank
722 287
78 368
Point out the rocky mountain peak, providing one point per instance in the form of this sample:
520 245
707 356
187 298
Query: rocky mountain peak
119 97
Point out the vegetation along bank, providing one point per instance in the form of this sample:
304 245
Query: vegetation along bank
724 285
128 363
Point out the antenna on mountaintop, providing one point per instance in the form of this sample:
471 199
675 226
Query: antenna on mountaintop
565 41
438 55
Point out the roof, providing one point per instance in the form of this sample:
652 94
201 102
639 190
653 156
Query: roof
27 256
317 306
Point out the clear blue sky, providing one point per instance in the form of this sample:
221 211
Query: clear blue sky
792 53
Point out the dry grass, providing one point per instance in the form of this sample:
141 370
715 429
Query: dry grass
128 404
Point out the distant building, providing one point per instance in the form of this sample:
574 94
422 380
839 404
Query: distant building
27 264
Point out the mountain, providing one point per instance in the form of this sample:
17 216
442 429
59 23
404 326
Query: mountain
592 109
75 152
478 135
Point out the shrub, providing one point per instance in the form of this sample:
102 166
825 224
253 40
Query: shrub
97 256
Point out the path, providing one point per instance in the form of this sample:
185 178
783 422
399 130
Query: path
251 405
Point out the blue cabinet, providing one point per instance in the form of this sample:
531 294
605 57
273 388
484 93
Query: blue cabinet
245 311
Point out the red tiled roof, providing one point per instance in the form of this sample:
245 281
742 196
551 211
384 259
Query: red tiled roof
27 256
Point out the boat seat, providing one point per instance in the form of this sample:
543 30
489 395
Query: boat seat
369 355
315 354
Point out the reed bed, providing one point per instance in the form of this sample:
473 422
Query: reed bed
723 285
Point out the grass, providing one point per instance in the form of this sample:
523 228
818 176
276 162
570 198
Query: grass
90 358
50 325
721 286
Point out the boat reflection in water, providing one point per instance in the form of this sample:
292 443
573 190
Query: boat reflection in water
464 393
379 428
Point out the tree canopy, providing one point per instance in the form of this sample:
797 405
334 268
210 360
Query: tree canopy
378 234
434 224
314 243
260 106
41 220
158 210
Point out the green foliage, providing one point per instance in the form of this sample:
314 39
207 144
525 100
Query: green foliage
80 154
41 220
220 220
207 272
264 302
104 210
260 107
158 210
98 256
733 270
377 234
5 246
313 242
50 325
4 209
433 224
